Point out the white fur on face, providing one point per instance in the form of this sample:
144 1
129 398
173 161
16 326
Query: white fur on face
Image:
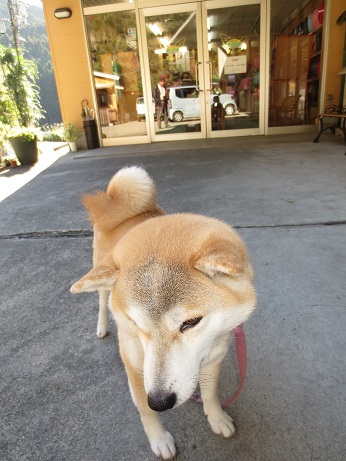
172 359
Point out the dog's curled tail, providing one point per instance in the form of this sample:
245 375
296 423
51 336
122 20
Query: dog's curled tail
130 192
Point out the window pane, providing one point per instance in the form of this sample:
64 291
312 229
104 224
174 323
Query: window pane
234 55
117 77
295 62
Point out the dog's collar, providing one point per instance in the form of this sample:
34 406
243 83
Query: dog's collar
240 345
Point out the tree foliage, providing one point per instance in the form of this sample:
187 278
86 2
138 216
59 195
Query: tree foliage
34 46
19 76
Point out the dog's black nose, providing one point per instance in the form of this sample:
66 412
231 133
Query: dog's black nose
161 401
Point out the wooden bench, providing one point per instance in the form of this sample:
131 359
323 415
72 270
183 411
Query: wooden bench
338 113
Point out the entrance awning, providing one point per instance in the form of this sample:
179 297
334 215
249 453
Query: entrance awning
104 81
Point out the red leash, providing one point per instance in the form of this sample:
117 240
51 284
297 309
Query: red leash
240 345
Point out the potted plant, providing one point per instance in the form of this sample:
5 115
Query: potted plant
71 134
24 143
11 161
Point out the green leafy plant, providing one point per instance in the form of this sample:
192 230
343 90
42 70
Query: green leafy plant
11 161
70 133
3 134
21 98
52 137
53 132
25 133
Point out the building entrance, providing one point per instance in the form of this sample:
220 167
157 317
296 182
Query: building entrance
183 71
208 56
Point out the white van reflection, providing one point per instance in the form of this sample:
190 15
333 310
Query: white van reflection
184 102
140 108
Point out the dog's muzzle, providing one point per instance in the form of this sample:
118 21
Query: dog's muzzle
161 401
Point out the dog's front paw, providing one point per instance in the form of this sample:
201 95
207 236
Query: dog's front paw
164 447
101 333
102 328
223 425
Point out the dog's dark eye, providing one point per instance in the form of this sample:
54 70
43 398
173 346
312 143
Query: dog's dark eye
190 324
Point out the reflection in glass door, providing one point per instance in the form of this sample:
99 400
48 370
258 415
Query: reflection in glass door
234 66
113 43
173 66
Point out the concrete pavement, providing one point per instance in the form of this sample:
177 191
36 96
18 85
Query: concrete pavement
64 393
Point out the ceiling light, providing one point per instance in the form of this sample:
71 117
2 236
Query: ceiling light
164 41
155 28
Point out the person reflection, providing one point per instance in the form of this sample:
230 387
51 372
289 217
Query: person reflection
160 98
217 114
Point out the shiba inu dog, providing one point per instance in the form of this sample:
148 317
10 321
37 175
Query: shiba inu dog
177 286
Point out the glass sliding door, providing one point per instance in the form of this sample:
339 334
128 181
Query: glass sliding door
113 43
233 66
173 68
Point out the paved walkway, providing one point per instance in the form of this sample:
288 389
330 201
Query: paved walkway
64 393
12 179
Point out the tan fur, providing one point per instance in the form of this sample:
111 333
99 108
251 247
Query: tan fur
163 271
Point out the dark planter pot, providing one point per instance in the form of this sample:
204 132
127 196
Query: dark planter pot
91 135
26 151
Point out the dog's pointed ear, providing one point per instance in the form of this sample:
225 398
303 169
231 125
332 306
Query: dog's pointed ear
221 257
104 275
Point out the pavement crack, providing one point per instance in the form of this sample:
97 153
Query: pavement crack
48 234
302 225
81 233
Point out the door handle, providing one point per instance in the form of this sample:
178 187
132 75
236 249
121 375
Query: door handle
210 74
197 78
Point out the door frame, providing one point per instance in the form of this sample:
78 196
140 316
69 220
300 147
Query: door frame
170 9
201 9
264 75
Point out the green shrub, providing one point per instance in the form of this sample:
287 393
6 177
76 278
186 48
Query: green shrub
53 137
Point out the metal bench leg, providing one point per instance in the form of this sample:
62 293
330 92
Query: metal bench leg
321 129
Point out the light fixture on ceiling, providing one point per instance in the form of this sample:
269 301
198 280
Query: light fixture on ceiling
164 41
161 50
63 13
155 28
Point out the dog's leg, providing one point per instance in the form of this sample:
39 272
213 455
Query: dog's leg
103 321
161 441
220 422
